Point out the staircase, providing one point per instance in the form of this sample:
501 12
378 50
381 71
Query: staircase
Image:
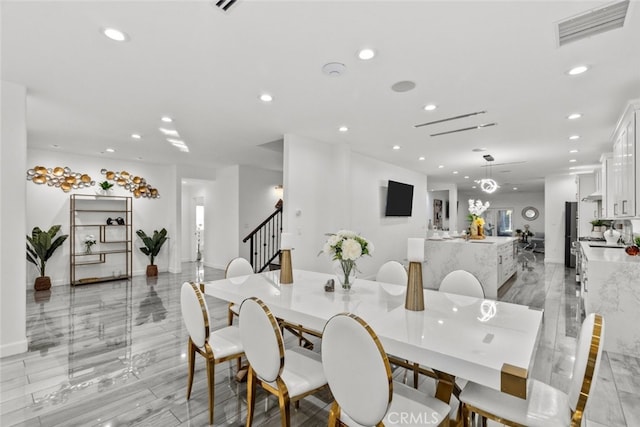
264 243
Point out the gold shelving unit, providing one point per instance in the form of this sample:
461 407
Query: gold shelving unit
112 257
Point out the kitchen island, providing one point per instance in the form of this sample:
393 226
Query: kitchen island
610 285
492 260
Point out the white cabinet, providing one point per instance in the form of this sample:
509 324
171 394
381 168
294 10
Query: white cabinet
606 186
624 164
507 261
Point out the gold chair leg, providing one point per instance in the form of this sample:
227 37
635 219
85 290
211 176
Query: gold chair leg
211 382
230 315
283 401
334 415
416 374
251 396
191 350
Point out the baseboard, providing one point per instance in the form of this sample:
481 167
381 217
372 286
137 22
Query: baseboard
14 348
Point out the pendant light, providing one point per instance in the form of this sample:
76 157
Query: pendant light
488 184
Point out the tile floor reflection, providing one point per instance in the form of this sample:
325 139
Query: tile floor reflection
114 354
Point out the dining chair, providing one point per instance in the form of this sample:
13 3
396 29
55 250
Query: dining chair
544 405
462 282
392 272
215 346
359 376
236 267
288 374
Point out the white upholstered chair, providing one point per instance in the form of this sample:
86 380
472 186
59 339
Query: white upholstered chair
237 267
359 376
545 405
462 282
289 374
392 272
215 346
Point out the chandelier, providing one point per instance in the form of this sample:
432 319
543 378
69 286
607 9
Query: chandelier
488 184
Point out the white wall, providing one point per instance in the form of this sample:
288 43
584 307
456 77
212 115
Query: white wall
47 206
222 213
327 188
503 199
557 191
13 154
258 198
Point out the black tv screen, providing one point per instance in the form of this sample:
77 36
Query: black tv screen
399 199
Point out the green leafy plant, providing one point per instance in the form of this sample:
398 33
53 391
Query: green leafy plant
153 244
637 240
41 245
597 222
106 185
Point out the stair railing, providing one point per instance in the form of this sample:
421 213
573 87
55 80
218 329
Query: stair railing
264 241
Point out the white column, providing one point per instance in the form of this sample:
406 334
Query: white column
13 165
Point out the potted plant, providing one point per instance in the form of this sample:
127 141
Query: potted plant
152 247
597 224
40 247
106 187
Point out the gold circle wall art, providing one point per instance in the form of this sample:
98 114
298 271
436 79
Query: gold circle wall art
133 183
60 177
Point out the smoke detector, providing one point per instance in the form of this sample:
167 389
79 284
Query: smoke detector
334 69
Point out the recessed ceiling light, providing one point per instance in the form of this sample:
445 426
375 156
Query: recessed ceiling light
55 146
136 136
343 129
115 35
421 158
403 86
572 168
515 188
265 97
455 172
366 54
169 132
430 107
396 147
466 177
166 119
473 186
573 151
109 150
574 116
574 137
572 160
577 70
440 166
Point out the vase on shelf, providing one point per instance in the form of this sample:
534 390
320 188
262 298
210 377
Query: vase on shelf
87 250
346 272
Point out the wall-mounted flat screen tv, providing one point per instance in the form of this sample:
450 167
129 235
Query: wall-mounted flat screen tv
399 199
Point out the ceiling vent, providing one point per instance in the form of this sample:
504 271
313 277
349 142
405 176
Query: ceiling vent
594 22
225 4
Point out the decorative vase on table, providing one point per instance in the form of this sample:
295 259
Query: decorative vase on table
346 247
346 272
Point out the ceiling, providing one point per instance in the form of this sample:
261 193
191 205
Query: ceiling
206 68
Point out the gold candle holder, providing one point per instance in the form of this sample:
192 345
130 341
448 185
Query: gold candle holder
286 272
415 294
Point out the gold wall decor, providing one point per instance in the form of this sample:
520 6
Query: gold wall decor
135 184
63 178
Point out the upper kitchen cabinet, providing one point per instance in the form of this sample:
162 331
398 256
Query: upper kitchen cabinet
625 166
606 185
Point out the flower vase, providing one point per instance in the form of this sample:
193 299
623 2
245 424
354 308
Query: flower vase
87 250
346 272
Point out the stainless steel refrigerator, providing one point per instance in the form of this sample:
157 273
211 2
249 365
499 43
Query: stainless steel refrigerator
570 232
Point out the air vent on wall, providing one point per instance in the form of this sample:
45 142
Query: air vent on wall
594 22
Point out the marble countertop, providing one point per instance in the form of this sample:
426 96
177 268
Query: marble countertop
488 240
598 253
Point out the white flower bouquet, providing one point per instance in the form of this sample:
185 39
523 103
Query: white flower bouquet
89 240
346 247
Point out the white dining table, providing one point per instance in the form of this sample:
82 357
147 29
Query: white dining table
489 342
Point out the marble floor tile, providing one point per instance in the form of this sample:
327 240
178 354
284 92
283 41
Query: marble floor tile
113 354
